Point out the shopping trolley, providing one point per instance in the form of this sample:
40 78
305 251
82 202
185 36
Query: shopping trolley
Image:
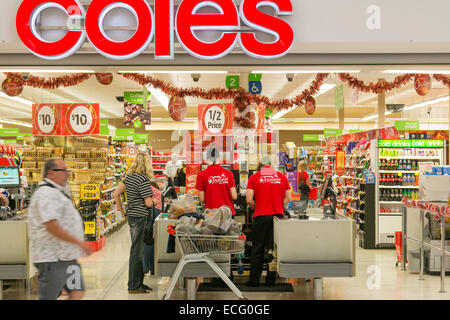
199 248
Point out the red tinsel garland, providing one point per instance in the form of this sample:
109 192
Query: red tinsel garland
378 87
53 82
442 78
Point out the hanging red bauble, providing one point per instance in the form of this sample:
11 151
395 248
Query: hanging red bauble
12 86
177 108
422 84
104 78
310 105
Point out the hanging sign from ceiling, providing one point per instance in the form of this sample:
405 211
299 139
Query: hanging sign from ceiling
160 24
81 119
46 119
215 119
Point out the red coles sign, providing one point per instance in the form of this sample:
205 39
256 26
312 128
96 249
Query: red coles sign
161 23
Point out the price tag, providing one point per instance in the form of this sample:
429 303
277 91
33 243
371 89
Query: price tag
89 227
90 192
81 119
400 174
214 119
46 119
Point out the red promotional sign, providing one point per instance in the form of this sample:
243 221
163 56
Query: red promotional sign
81 119
160 23
12 87
215 119
46 119
261 119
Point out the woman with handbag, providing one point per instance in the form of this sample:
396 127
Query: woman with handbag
304 186
140 206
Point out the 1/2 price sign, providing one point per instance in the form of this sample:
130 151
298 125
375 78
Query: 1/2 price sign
47 119
215 118
81 119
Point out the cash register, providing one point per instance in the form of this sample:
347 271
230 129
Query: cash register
10 187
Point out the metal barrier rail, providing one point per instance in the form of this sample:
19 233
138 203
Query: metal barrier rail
423 244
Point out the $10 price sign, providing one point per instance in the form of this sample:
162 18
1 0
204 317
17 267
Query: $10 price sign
47 119
81 119
66 119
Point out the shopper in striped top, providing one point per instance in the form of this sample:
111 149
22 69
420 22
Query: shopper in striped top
140 205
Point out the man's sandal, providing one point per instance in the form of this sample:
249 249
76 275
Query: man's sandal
143 289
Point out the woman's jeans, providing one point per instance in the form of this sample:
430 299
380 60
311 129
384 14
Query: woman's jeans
136 270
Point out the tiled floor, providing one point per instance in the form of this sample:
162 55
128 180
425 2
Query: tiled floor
106 275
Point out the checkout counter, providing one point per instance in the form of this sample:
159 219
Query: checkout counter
315 248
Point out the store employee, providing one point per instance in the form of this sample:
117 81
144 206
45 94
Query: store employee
268 191
215 184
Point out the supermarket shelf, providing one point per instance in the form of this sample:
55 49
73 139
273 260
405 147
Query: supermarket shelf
390 214
108 190
391 202
398 171
399 187
414 158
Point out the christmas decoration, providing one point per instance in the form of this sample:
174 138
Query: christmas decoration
378 87
104 78
12 86
177 108
422 84
310 105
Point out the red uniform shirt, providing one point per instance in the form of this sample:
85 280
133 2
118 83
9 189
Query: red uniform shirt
270 188
216 182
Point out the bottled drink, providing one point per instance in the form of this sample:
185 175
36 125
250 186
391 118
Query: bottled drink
400 180
400 165
395 164
409 165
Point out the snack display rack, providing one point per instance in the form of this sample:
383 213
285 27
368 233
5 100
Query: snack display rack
94 162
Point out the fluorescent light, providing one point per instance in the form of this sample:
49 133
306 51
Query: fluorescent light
17 123
324 88
161 96
374 116
418 71
18 99
176 72
47 71
304 71
111 127
426 103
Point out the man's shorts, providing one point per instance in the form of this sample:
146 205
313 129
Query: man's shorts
55 276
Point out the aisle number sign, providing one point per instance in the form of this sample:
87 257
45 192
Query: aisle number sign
232 82
89 227
90 192
311 137
332 132
411 143
407 125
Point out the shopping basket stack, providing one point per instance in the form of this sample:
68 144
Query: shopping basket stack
199 248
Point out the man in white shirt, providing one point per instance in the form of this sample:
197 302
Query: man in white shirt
56 235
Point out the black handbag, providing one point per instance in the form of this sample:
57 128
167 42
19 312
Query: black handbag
148 231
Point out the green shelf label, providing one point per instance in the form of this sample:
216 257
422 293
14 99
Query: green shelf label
407 125
311 137
9 132
410 143
332 132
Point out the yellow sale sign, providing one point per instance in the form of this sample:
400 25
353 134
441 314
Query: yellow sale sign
90 192
89 227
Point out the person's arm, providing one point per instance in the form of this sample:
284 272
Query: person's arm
55 230
249 197
149 202
120 189
4 200
233 193
201 196
287 196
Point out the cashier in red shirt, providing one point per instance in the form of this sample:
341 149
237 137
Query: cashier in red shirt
216 185
268 192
